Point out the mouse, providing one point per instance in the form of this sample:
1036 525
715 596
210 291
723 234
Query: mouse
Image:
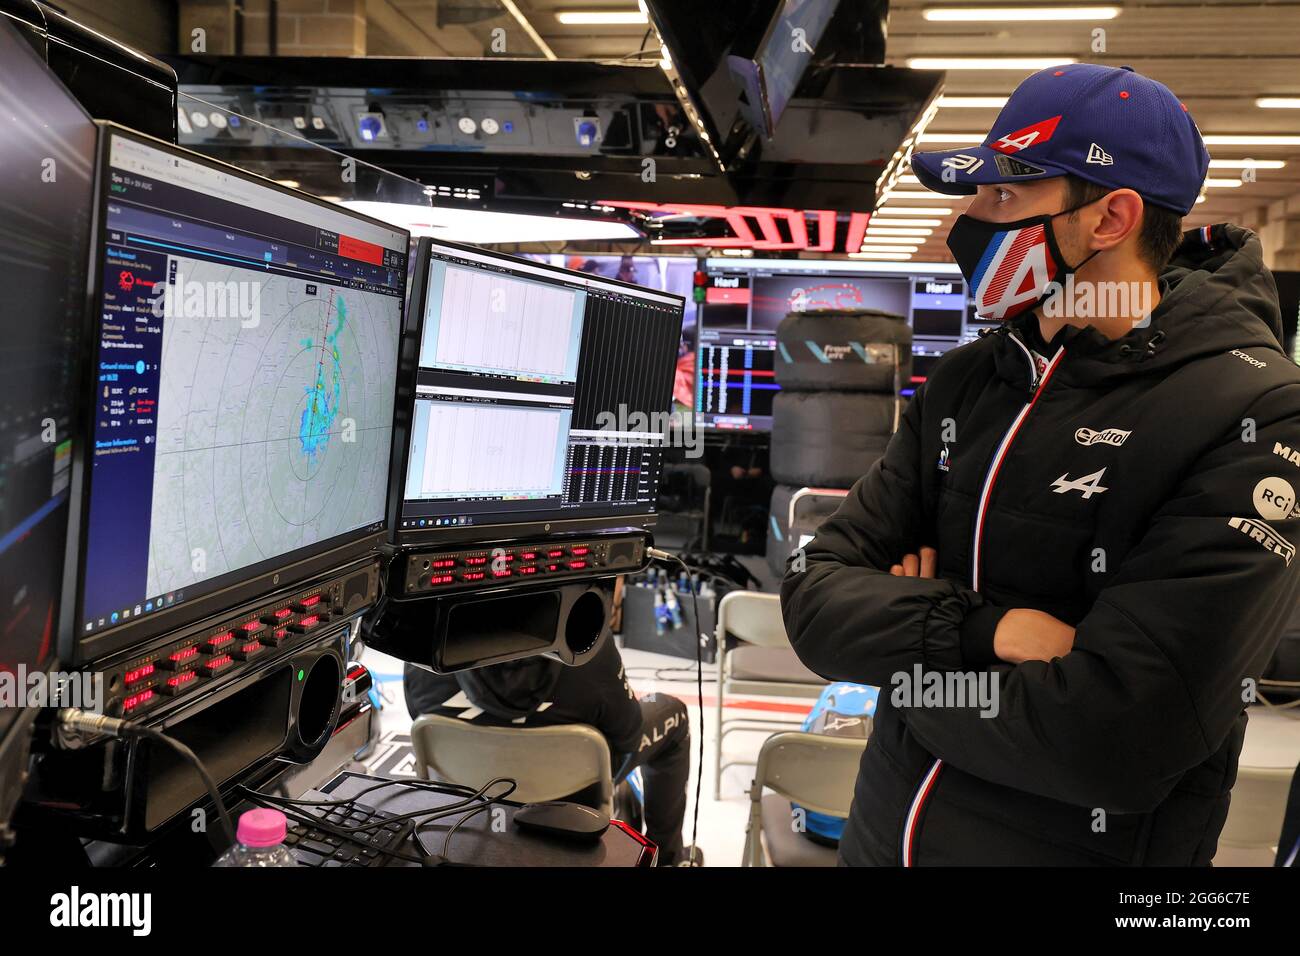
560 818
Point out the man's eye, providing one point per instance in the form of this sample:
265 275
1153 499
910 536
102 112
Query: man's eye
1003 195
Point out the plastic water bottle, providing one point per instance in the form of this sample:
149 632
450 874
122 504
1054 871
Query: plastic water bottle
674 608
261 841
661 614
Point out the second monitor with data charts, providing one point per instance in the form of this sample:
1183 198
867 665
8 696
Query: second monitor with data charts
539 398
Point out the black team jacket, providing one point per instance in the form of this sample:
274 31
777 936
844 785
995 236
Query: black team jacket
1141 490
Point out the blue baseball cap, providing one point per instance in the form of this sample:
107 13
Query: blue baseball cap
1106 124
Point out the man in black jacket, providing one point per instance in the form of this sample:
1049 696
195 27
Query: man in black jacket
652 732
1089 512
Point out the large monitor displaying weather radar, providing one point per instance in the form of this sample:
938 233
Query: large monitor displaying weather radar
243 384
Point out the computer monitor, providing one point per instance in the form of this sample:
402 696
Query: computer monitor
675 274
736 346
769 76
242 387
540 399
47 161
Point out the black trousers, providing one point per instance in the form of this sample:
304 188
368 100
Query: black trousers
664 757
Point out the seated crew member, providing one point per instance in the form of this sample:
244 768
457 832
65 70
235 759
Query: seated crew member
1090 510
652 733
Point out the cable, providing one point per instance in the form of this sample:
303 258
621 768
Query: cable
213 793
320 824
290 807
76 727
446 840
661 555
419 815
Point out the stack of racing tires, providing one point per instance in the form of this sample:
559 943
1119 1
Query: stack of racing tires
840 373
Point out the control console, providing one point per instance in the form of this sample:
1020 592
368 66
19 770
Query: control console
452 569
185 663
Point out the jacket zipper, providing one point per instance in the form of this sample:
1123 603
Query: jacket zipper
1037 384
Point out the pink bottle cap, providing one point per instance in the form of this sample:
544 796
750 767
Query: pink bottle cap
261 828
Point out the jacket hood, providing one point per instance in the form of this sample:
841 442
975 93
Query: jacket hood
1216 295
511 690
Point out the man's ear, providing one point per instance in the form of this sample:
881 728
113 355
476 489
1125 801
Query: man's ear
1120 215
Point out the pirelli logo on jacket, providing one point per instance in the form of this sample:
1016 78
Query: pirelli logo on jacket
1269 539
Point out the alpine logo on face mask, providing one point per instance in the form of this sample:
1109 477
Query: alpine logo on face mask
1014 272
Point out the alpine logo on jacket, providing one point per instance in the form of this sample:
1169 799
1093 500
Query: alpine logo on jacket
1107 436
1087 486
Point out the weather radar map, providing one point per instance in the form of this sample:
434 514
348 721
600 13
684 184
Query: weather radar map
273 425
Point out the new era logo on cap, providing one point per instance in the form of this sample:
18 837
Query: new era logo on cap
1099 156
1054 125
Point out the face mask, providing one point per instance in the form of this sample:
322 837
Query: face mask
1009 265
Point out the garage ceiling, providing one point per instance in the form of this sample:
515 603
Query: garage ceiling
1218 57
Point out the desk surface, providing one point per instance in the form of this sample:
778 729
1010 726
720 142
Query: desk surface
477 842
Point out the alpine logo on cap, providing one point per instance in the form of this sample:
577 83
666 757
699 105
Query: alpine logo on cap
1010 166
1098 156
1034 135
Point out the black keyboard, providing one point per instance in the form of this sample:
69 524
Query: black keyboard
318 847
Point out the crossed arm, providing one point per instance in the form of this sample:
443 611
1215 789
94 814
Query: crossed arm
1022 634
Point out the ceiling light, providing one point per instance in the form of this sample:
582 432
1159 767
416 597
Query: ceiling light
913 211
291 183
1247 164
882 256
1250 139
1278 102
974 14
973 102
888 241
925 195
987 62
909 222
971 138
737 252
1201 198
482 227
601 18
1222 183
891 231
908 179
512 8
